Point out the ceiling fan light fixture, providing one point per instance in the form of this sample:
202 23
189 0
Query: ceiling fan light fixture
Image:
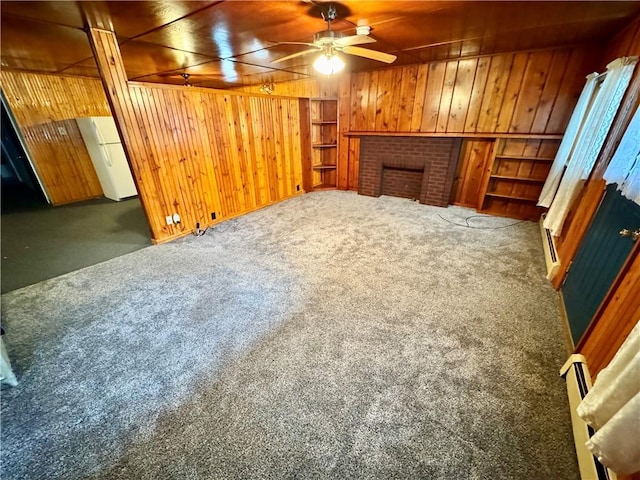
328 64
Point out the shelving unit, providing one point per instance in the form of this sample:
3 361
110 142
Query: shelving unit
324 141
514 176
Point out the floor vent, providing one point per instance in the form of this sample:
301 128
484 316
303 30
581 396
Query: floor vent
576 374
549 247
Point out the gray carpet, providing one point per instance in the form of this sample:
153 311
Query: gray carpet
328 336
41 242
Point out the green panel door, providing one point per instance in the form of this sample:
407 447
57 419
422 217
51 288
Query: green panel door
599 259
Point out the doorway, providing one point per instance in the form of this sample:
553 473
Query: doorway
42 241
20 185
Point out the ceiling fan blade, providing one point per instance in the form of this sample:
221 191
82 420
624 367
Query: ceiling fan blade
298 54
293 43
371 54
354 40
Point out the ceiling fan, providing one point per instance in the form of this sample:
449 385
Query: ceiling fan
328 42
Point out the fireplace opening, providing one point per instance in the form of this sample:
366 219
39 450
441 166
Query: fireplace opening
402 182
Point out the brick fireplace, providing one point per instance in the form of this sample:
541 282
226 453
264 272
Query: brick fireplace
411 167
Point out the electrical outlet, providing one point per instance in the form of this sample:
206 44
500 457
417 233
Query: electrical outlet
176 218
169 219
297 188
213 215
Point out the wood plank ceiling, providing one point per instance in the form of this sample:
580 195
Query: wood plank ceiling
226 44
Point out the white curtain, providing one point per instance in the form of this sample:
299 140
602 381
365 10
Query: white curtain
6 374
612 407
592 136
569 140
624 168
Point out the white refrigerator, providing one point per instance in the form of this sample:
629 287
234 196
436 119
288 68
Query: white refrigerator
103 144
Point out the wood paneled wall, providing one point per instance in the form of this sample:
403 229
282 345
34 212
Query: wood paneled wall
620 309
199 152
45 107
306 88
471 168
515 93
627 43
207 152
530 92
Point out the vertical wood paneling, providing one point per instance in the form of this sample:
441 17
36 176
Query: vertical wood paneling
518 93
529 92
446 96
344 119
419 98
197 152
580 64
354 163
227 154
304 88
45 107
462 94
558 71
499 76
474 156
433 93
521 63
477 94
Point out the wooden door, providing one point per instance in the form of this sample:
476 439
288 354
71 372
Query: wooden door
599 259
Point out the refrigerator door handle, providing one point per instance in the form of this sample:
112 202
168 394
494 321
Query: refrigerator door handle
107 156
97 132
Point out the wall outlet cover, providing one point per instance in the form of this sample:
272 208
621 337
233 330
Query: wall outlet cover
169 220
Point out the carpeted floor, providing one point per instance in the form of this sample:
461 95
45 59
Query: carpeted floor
328 336
40 241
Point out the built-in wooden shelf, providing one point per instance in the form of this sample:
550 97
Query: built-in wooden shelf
321 169
512 197
324 167
516 157
514 175
519 179
530 136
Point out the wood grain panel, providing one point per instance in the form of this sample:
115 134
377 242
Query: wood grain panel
465 76
433 94
45 107
585 206
477 94
306 88
474 156
227 154
199 152
523 93
344 119
499 75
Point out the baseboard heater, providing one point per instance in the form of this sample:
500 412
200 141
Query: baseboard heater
578 378
549 247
